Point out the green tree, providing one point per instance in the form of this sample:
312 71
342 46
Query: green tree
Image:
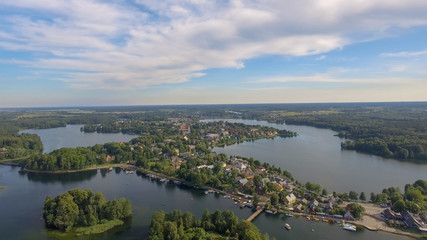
356 210
362 196
412 207
274 199
399 206
352 195
170 231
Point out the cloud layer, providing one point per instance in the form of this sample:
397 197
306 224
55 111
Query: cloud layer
117 45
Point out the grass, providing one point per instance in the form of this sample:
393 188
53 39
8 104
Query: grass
99 228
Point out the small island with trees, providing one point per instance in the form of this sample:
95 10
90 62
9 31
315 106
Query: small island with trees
217 225
82 212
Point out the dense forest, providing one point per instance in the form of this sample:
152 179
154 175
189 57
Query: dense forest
218 225
79 208
13 146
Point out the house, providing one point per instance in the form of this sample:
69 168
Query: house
304 201
389 214
205 166
348 216
212 136
241 166
410 221
314 204
290 199
298 208
3 150
108 159
185 129
243 181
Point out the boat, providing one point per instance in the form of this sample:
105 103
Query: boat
287 226
312 229
206 192
288 215
271 212
349 227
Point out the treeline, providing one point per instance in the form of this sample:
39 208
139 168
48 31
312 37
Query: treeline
65 159
414 199
79 208
178 226
19 145
385 131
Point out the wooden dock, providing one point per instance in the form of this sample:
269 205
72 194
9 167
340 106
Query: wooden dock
254 215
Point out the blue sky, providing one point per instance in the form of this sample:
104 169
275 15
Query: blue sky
145 52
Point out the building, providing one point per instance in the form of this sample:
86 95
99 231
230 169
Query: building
241 166
185 129
410 220
290 199
348 216
243 181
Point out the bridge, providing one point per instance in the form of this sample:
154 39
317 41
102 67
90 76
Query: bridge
255 214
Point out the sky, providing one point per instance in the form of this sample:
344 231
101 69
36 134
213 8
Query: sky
150 52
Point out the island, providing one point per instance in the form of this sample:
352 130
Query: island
218 225
82 212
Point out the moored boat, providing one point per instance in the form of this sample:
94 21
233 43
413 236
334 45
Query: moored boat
349 227
287 226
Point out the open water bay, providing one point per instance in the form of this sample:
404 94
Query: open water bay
315 155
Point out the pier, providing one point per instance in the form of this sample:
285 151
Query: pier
255 214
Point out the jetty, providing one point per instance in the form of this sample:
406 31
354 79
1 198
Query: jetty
255 214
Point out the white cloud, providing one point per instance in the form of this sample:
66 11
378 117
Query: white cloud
320 58
112 45
405 54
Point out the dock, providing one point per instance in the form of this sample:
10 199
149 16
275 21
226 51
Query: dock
255 214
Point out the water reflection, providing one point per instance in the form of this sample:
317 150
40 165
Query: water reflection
62 178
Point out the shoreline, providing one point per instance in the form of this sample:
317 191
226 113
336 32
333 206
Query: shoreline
380 224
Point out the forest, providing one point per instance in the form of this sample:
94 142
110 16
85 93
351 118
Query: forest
13 146
83 208
216 225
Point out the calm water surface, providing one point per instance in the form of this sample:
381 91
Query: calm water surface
21 204
71 137
316 156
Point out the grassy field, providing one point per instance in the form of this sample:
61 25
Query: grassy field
99 228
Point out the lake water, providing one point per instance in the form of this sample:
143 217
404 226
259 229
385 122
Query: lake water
21 206
316 156
71 137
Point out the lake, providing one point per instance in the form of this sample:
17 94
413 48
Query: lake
21 206
316 156
71 137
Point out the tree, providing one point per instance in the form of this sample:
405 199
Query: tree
399 206
66 212
395 197
258 181
352 195
274 199
324 192
356 210
247 231
256 199
373 197
170 231
362 197
412 207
